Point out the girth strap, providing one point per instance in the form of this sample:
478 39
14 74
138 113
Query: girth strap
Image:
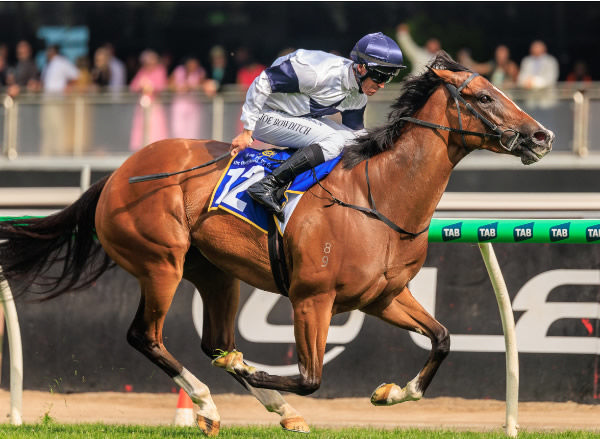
277 259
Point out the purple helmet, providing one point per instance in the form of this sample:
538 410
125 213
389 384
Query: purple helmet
377 50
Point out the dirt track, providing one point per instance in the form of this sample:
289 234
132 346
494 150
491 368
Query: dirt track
159 409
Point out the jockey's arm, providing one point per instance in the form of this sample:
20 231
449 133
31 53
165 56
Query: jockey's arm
257 95
354 119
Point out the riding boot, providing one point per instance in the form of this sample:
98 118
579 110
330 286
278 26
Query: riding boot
266 190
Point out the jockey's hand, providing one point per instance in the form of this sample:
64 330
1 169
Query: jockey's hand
241 142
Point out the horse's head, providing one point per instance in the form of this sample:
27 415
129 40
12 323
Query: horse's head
492 120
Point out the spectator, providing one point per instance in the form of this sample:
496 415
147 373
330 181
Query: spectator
101 72
186 111
463 56
504 71
4 76
149 80
118 74
3 51
58 76
59 73
25 74
501 71
248 68
418 56
83 83
220 71
539 72
579 73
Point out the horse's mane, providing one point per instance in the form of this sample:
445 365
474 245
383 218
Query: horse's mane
416 91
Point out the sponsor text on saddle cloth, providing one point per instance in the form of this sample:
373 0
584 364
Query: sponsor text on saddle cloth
251 165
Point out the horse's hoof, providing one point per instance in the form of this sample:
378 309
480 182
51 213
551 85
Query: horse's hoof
381 394
209 427
229 361
296 424
390 394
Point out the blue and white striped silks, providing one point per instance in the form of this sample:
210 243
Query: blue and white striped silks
246 168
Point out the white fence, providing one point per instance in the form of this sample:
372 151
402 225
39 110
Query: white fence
104 124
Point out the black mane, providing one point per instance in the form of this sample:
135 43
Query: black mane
416 91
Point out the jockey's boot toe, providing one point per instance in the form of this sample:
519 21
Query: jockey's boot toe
263 192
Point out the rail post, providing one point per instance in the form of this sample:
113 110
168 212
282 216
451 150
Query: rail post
146 105
510 339
10 127
16 352
217 119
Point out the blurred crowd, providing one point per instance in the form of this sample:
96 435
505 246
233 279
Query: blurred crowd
538 70
147 75
103 71
151 73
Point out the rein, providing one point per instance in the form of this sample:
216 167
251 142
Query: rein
372 209
498 133
455 92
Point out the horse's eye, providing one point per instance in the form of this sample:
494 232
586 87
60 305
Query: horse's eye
485 99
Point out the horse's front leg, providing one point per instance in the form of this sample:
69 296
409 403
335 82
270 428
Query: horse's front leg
312 316
404 311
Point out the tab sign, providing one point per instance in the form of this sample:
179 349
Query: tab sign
487 232
592 233
559 232
452 232
523 232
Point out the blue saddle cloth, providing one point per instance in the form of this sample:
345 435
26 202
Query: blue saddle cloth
246 168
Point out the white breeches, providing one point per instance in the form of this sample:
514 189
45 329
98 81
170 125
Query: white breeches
280 129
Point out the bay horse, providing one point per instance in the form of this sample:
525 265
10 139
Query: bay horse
161 231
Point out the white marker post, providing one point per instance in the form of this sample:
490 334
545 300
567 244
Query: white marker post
510 339
16 352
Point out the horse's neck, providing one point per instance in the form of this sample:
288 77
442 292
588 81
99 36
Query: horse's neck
409 180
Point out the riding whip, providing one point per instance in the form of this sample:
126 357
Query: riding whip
160 175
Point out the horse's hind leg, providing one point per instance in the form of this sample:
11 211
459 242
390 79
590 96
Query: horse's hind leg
145 334
220 297
404 311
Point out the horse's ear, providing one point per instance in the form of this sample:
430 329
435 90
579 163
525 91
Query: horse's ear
445 75
450 77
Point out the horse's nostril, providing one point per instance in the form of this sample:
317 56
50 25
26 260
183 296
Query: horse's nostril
540 136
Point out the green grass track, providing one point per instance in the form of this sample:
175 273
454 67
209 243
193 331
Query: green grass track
97 431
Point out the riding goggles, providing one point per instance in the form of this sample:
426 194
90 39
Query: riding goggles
380 76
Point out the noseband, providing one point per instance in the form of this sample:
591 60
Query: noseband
498 133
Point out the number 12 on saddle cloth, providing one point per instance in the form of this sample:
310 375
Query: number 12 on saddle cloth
249 166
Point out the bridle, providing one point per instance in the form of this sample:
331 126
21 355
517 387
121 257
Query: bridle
498 132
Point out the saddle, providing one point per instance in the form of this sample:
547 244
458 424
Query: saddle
230 195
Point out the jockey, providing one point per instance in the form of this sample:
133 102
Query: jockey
287 102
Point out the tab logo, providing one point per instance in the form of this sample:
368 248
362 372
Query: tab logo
452 232
592 233
559 232
523 232
487 232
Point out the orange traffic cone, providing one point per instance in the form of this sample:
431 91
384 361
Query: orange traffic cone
184 413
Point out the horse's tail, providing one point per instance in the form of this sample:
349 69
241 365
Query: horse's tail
57 253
